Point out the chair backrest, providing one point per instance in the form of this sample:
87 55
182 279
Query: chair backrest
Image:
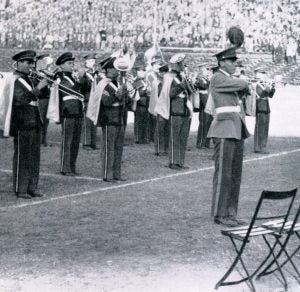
285 200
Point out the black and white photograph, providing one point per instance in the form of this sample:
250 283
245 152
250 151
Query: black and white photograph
149 145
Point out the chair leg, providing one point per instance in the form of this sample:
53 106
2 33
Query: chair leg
267 271
288 259
229 271
249 278
276 261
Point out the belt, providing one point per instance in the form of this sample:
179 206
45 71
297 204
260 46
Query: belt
203 91
228 109
69 97
115 104
33 103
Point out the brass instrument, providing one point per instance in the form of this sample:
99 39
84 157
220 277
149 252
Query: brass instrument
39 75
187 80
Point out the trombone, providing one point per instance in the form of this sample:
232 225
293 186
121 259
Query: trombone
39 75
44 74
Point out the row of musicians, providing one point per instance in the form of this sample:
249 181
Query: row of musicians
172 129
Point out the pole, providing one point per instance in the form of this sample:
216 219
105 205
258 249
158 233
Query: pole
154 35
224 25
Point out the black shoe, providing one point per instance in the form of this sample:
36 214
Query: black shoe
87 147
35 194
68 173
184 167
238 221
23 195
226 221
109 180
262 152
120 179
174 166
94 147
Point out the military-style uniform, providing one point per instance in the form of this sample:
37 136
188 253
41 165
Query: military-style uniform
71 114
141 115
25 127
180 121
152 81
44 99
262 121
162 128
111 119
89 129
162 132
204 118
229 131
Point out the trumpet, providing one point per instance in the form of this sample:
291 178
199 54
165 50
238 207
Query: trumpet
49 76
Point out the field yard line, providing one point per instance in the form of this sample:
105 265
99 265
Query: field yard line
115 187
60 175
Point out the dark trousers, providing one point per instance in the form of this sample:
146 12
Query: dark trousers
141 125
227 177
152 127
26 161
112 150
261 131
179 133
89 133
204 124
161 137
43 106
71 132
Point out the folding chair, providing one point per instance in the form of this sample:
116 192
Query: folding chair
284 201
290 228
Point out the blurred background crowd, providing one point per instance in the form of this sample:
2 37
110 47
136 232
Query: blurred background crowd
269 25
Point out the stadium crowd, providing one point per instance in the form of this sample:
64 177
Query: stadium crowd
87 24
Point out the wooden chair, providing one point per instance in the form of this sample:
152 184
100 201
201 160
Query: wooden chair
282 203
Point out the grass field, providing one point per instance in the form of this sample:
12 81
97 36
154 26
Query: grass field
150 233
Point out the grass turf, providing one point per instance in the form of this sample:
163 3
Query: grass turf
153 236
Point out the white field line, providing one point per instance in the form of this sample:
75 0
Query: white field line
60 176
134 183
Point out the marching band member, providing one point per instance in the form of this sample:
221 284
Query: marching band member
174 105
106 108
26 124
141 114
202 84
44 63
229 130
87 79
264 90
153 60
71 111
162 129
